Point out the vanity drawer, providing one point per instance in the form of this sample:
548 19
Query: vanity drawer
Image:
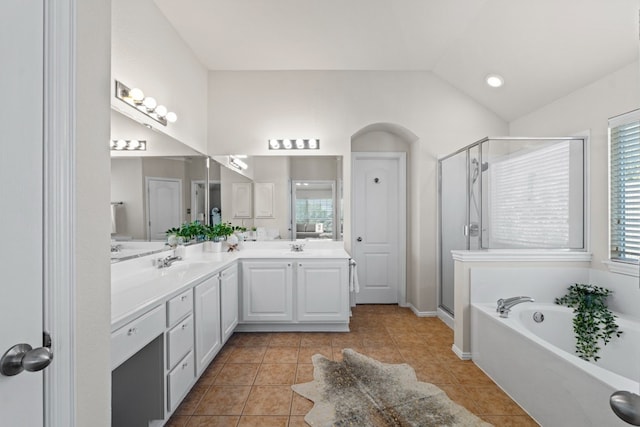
126 341
180 341
179 381
179 306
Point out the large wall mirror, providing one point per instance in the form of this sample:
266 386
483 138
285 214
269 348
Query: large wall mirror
291 197
155 189
276 197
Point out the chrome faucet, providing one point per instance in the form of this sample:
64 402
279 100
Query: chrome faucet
166 262
297 247
505 304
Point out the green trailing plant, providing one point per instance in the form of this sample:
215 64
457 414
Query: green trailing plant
593 322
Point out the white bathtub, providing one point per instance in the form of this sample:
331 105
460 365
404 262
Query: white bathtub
535 363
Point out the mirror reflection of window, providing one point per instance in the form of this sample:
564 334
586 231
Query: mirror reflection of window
315 207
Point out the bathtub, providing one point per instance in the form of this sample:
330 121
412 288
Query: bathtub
536 365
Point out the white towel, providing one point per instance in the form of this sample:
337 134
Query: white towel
354 286
113 218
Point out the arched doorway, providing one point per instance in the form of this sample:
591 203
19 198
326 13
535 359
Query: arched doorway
380 159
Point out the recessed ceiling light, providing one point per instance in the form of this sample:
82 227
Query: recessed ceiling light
494 80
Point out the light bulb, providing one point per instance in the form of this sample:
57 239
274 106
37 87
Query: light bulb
161 110
143 145
133 144
112 144
274 144
121 144
299 144
312 143
136 95
287 143
171 117
149 103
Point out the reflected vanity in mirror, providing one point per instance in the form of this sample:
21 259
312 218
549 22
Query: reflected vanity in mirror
289 195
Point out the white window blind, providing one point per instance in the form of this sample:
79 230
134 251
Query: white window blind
530 199
624 138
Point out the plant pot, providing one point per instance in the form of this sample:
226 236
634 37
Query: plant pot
210 246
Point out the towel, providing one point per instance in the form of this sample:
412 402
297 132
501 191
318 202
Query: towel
354 286
113 218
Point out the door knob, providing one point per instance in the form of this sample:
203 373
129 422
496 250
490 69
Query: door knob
359 239
22 357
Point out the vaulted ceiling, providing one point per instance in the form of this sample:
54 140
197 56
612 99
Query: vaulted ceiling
544 49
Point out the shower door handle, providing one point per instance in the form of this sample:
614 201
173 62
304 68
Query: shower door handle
465 230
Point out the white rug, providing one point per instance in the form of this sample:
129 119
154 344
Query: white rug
360 391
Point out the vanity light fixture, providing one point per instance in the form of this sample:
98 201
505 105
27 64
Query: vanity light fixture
294 144
237 163
128 145
145 104
494 80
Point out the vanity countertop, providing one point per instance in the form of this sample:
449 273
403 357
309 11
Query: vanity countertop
137 286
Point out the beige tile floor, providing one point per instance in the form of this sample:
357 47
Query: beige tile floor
248 383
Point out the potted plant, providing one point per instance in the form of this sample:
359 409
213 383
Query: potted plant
592 321
215 234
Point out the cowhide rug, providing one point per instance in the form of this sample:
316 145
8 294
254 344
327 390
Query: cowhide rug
360 391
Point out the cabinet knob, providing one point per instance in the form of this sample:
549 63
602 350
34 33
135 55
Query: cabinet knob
184 326
183 297
132 331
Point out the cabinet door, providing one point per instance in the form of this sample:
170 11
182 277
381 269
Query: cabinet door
229 301
263 199
241 199
267 291
322 291
207 315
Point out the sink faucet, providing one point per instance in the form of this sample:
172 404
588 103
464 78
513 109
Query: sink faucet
297 247
166 262
505 304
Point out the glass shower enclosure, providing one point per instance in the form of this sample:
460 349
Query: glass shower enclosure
510 193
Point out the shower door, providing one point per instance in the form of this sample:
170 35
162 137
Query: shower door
460 214
453 219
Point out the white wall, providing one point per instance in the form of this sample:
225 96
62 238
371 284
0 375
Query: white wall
248 108
148 53
92 271
588 110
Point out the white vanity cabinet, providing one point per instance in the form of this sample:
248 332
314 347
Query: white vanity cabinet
207 322
179 338
263 195
267 291
321 295
228 301
241 199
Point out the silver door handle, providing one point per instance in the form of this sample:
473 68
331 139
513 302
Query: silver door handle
23 357
359 239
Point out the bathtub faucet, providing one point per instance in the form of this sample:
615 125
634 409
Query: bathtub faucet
505 304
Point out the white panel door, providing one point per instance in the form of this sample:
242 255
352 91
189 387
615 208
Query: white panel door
164 206
21 192
378 226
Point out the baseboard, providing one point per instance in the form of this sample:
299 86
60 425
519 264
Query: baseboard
421 313
461 354
445 317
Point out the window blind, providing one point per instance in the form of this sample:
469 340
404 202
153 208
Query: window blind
530 199
624 140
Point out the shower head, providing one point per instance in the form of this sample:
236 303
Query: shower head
477 170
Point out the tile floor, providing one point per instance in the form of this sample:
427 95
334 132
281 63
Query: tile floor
248 383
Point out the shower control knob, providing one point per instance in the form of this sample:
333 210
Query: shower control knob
359 239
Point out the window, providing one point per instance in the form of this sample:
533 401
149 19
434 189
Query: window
624 208
536 195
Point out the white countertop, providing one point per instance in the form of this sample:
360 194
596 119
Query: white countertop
137 286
